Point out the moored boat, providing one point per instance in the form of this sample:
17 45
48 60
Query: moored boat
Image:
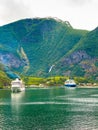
70 83
17 85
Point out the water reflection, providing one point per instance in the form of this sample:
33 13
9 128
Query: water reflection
16 100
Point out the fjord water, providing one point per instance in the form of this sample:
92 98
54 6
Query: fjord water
49 109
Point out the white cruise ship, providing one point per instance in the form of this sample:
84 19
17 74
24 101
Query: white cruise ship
70 83
17 85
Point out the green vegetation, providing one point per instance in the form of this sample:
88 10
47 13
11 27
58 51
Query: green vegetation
89 43
4 80
53 81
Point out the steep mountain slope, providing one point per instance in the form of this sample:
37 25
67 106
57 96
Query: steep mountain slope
82 60
89 43
32 46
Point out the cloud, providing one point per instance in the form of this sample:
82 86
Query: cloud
13 9
80 13
79 2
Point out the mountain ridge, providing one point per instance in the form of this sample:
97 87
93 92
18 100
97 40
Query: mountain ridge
32 46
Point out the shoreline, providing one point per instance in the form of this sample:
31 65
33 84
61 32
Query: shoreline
87 86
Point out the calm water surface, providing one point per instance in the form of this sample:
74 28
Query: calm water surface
49 109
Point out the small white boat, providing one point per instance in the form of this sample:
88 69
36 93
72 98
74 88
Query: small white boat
70 83
17 85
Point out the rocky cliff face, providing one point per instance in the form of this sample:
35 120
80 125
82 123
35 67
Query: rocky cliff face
78 63
76 57
8 59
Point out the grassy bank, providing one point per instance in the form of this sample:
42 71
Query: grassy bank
54 81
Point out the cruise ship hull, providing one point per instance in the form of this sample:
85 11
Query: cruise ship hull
70 85
17 89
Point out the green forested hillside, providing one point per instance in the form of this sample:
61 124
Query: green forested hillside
47 46
32 46
5 81
82 59
89 43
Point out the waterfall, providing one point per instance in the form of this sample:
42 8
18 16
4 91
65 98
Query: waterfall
51 67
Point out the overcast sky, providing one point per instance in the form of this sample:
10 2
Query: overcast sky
82 14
